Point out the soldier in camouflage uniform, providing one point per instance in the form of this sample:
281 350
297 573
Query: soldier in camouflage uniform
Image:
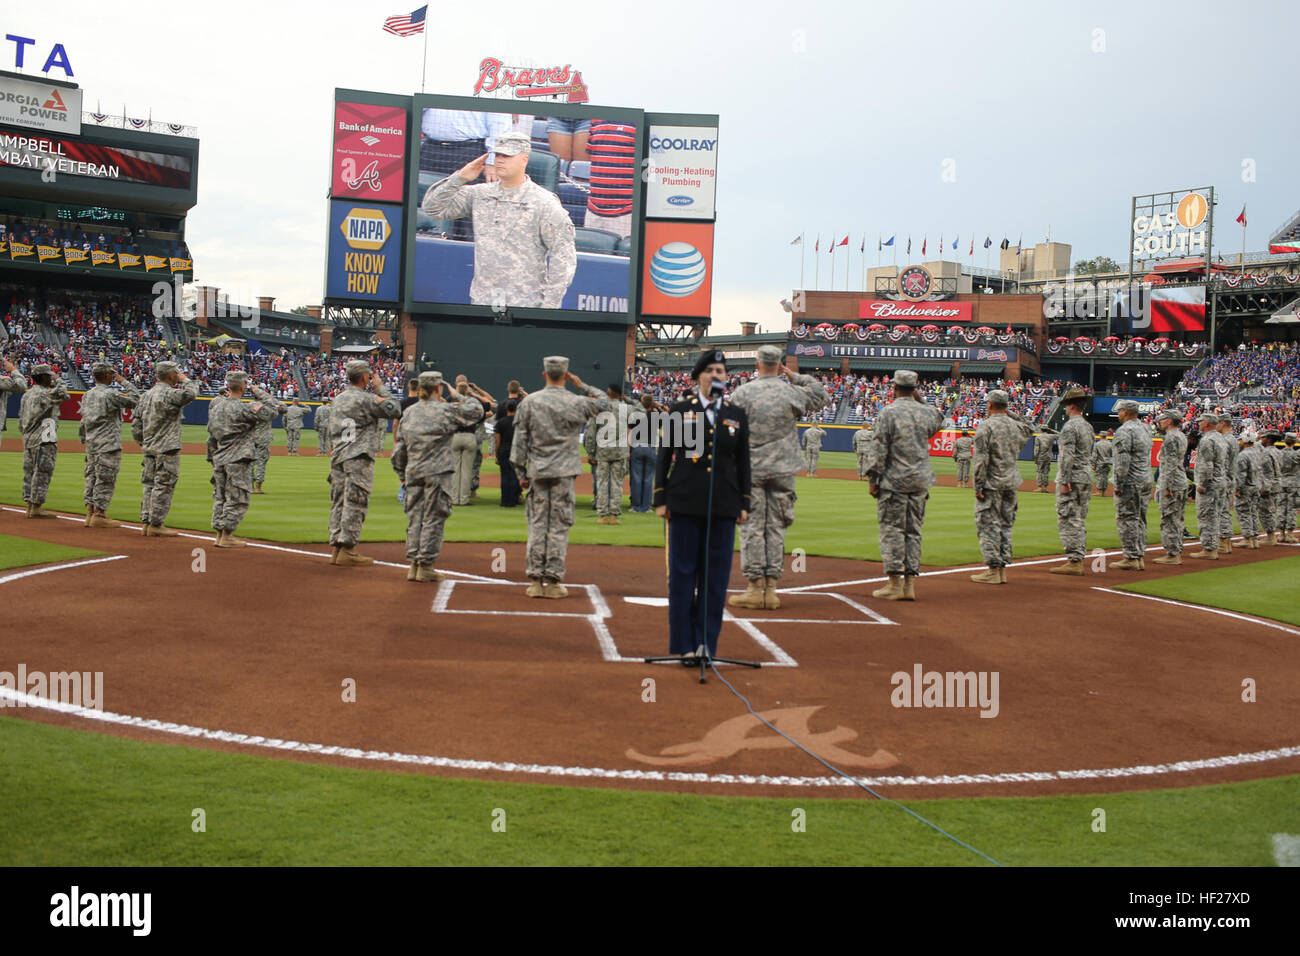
1073 482
1209 474
157 427
812 447
263 435
774 402
1248 482
422 460
998 440
321 422
862 439
101 425
232 449
589 446
545 455
524 251
1290 463
1043 458
1270 497
1171 487
38 419
1132 485
901 476
357 423
1228 497
10 382
961 456
612 454
1103 453
293 416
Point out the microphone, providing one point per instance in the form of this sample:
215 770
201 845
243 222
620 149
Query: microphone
717 387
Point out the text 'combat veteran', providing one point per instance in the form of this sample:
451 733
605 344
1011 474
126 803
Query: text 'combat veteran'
524 252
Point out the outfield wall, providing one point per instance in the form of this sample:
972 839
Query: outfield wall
195 413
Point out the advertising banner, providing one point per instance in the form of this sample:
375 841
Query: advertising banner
682 172
365 261
678 276
38 105
66 157
369 152
925 353
884 311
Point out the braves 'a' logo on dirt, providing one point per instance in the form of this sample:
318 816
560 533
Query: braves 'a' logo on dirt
732 736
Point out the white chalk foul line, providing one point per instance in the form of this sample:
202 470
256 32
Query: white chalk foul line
1201 607
59 567
555 770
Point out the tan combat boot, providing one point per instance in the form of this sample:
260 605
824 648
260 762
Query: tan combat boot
162 531
1069 567
1168 559
146 530
892 591
988 576
751 597
90 517
1225 546
1205 555
226 540
1127 564
349 558
412 571
535 588
102 520
38 511
554 590
771 601
426 572
257 488
909 592
1268 539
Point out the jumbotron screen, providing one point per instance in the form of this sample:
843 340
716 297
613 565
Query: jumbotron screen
551 221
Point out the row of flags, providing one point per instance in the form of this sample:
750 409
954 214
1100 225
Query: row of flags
70 256
882 243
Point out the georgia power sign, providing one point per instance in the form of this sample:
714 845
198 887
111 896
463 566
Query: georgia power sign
682 172
37 105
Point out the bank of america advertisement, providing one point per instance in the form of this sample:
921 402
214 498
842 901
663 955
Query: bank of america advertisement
365 261
37 105
369 152
682 172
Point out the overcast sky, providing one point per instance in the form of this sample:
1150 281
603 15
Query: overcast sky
836 118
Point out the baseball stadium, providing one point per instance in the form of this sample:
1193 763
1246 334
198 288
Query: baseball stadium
293 575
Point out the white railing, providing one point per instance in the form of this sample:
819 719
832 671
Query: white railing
112 121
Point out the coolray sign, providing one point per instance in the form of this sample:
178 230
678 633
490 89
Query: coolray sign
365 260
1172 224
76 158
926 353
552 82
681 172
39 105
369 152
880 311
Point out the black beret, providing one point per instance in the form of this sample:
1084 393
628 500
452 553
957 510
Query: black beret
707 358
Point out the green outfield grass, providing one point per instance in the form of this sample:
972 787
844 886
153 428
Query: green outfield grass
18 552
835 518
1265 589
106 801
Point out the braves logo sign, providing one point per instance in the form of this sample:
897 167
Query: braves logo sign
368 177
552 81
802 349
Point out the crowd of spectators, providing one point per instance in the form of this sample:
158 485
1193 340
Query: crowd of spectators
325 375
63 235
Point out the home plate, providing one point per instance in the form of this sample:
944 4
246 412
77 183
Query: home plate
648 601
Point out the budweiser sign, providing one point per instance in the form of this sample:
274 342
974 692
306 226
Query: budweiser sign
548 82
947 311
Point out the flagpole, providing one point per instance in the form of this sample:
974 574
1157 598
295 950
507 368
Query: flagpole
1243 244
803 258
817 263
832 262
424 60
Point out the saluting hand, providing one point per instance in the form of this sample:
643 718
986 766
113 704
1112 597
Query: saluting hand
473 169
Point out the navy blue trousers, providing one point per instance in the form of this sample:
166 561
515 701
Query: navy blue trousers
641 471
686 563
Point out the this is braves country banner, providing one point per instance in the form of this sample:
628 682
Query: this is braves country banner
922 353
883 310
74 158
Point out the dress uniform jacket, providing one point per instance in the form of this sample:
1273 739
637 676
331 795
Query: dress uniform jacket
682 481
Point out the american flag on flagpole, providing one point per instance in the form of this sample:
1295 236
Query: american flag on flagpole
407 24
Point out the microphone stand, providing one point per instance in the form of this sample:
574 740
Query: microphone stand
706 659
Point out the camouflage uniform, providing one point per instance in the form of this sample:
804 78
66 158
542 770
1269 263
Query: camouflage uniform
998 440
589 446
1075 443
263 435
1249 480
356 433
524 252
545 451
321 422
961 456
1171 491
862 439
812 447
900 468
1211 461
101 421
293 416
773 406
232 448
1227 498
1270 497
612 454
1290 462
1043 457
423 462
464 447
157 427
38 419
1103 453
13 382
1132 486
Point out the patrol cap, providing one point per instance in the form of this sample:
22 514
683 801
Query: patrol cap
708 357
165 368
615 387
1073 394
905 377
1209 418
1225 418
999 397
555 364
1126 405
512 144
1291 436
430 380
1248 436
235 377
769 355
99 368
42 370
357 367
1170 415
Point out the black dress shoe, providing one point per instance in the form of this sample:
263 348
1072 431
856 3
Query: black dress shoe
690 660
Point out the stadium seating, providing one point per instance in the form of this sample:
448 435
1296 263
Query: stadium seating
544 169
595 240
